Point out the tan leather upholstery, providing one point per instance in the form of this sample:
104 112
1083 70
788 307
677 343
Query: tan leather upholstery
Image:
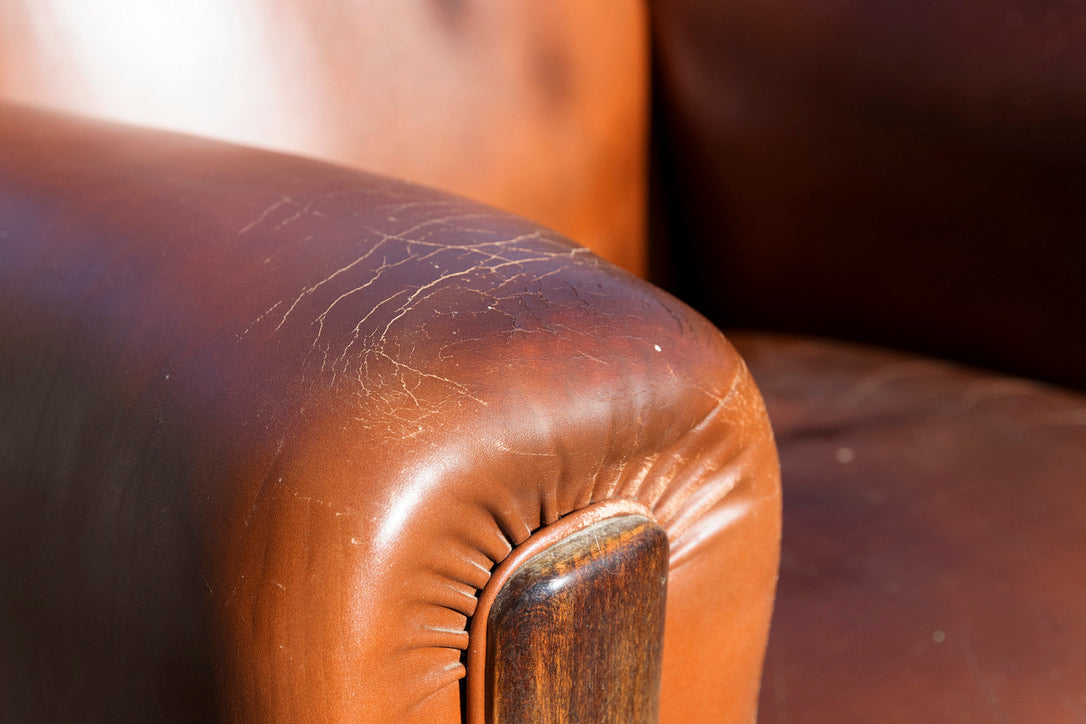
269 424
537 108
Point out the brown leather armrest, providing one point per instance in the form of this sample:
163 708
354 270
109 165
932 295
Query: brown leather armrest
268 425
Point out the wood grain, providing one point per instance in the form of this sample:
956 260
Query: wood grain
576 633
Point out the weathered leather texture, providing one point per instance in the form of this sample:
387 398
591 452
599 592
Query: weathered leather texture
932 569
268 425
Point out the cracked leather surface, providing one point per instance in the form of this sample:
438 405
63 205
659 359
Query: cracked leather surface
269 425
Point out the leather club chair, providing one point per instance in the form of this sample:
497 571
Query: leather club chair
282 440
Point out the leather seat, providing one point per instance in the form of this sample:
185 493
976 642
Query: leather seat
934 539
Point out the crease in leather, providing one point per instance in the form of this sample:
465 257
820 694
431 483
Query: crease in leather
540 541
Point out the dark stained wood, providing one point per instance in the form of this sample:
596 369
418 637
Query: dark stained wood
576 633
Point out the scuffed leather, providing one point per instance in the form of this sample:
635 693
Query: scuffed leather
268 425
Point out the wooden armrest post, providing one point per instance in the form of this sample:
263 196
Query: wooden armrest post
576 633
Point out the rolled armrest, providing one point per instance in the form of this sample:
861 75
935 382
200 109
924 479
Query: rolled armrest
268 425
